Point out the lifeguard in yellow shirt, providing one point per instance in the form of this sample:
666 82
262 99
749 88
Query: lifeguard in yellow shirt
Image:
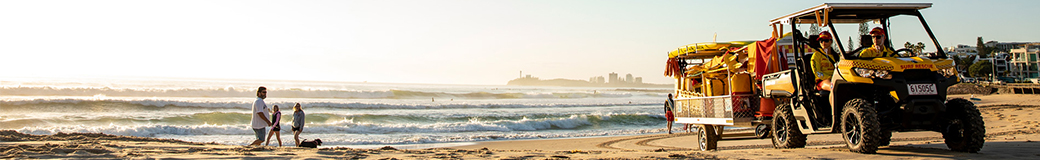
822 62
879 49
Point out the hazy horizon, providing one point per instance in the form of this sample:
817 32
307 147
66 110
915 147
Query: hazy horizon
414 42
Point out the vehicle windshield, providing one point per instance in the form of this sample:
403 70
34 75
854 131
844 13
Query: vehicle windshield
905 36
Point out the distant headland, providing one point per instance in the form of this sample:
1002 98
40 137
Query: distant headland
599 81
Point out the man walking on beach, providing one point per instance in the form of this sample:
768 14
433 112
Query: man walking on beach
259 121
668 105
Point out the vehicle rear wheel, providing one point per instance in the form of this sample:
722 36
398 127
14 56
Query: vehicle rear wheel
707 138
967 130
860 127
785 129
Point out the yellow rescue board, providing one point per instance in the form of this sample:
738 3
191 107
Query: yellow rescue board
706 49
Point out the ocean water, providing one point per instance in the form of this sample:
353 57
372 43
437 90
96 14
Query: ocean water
339 113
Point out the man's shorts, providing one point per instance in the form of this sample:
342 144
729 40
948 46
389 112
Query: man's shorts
260 133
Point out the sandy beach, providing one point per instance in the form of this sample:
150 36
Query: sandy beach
1012 131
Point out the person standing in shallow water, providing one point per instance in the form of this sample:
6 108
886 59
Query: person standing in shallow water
297 122
668 105
259 121
276 127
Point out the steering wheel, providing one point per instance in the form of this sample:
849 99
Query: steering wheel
909 53
855 52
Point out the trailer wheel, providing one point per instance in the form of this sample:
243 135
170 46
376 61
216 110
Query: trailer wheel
761 131
860 127
967 130
785 129
707 138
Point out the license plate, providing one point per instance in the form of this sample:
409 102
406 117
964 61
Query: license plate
922 89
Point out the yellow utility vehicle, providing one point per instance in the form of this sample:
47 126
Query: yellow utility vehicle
871 96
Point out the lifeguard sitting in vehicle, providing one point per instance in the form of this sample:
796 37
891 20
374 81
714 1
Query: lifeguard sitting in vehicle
879 49
822 62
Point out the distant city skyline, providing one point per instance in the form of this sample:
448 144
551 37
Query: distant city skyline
614 78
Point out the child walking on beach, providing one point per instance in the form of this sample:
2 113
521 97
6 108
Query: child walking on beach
276 127
297 122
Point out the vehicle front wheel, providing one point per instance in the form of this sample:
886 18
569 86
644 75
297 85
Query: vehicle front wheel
967 130
785 129
860 127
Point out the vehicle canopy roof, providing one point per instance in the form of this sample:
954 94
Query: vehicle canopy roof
851 12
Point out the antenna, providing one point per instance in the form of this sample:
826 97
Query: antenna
714 36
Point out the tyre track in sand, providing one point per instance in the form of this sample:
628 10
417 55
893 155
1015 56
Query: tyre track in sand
643 141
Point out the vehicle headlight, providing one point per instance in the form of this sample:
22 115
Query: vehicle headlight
863 72
872 73
949 72
882 74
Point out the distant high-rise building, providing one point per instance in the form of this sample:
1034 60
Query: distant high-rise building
639 80
629 79
1025 60
613 77
599 79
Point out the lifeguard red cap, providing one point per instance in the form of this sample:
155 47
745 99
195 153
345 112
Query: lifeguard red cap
877 30
824 35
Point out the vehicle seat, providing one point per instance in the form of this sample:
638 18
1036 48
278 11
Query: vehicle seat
812 75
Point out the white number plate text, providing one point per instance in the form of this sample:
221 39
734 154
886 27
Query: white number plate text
922 89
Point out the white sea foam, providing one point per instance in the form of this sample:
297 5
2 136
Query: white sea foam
348 126
144 130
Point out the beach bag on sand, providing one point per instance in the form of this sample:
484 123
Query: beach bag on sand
310 144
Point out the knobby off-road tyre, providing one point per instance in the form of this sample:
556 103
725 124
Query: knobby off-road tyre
967 130
785 129
707 138
860 127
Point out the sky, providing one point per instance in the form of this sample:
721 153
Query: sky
487 42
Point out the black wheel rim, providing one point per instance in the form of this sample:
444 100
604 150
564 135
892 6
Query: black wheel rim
781 129
851 128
